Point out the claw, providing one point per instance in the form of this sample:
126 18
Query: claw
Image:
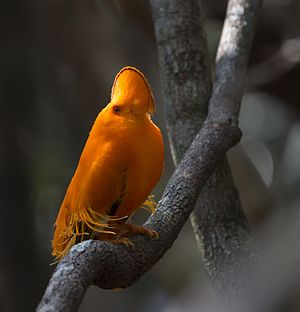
130 229
124 241
124 231
154 234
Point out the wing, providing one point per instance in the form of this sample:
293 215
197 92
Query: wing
92 198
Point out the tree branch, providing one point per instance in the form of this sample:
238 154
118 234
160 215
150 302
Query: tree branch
112 266
221 228
184 67
219 223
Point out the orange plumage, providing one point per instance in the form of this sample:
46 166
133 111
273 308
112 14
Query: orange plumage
120 164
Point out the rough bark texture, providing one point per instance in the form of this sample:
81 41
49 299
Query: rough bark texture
184 67
110 266
221 228
219 223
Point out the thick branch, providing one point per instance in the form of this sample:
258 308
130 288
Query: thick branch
218 220
232 58
221 228
184 67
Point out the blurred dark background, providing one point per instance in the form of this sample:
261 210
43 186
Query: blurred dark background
58 61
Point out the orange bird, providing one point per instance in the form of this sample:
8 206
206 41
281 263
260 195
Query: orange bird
120 164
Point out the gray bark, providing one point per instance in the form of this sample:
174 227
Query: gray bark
221 228
185 69
219 223
112 266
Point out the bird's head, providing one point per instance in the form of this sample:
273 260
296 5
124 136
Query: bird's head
131 94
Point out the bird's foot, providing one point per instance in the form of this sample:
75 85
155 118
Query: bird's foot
123 241
131 229
124 231
115 240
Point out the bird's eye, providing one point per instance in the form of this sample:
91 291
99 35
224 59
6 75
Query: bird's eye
116 109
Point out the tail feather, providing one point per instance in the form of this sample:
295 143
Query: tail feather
81 226
73 227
